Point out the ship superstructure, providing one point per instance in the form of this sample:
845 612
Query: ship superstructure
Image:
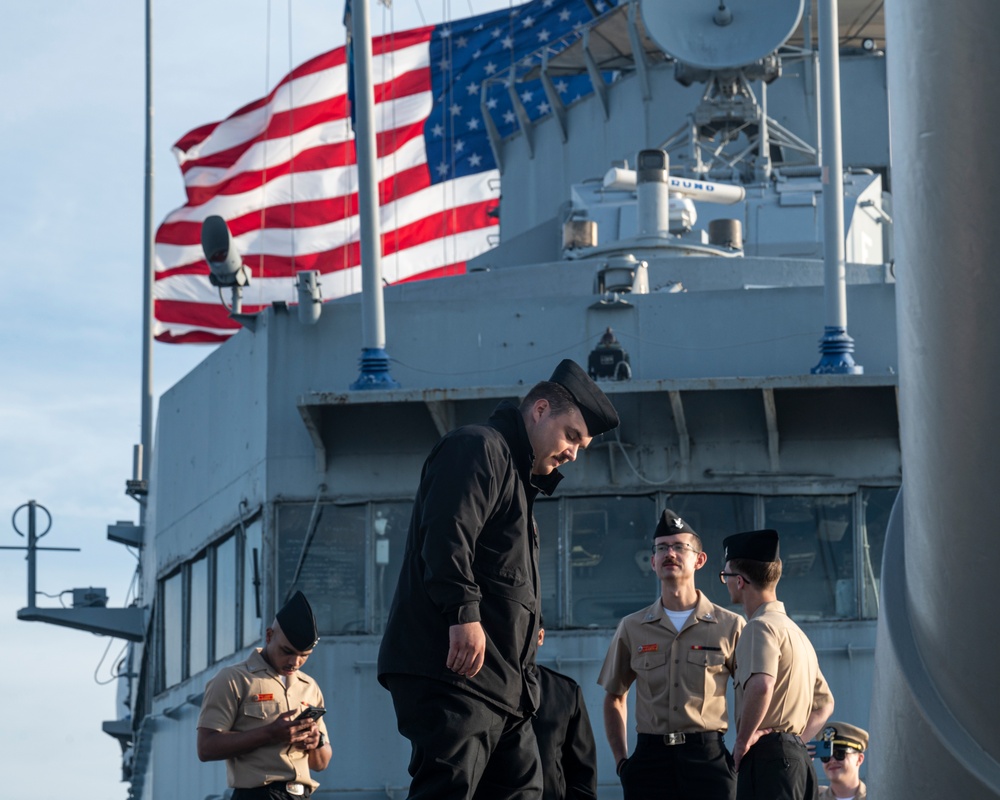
675 249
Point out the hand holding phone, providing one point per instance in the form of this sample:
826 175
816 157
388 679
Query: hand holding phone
310 713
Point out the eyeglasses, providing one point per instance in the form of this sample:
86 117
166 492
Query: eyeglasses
838 754
723 575
676 547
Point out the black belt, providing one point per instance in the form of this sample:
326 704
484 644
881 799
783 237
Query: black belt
788 737
671 739
279 790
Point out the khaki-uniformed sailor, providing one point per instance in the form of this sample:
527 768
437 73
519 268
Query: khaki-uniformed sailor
841 768
679 652
249 710
781 695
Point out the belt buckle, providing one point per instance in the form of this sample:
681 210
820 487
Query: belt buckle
296 789
673 738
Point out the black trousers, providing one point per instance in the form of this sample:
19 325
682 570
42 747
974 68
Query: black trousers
699 769
463 747
777 767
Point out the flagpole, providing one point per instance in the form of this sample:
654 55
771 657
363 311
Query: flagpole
374 359
142 462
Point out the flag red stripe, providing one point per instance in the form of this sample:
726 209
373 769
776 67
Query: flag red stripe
339 154
328 60
192 337
446 223
301 118
301 214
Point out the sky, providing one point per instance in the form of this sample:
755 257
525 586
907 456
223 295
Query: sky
72 119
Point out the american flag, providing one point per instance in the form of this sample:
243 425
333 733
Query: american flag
281 170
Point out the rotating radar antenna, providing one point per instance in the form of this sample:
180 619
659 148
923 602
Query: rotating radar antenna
728 45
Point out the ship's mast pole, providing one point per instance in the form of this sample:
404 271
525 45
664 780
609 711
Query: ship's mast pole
146 436
836 346
374 359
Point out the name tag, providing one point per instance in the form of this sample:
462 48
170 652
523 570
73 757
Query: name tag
648 648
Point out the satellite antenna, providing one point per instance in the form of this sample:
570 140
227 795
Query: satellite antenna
727 44
721 34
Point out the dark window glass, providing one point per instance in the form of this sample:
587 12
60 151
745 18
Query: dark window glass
609 541
549 539
173 629
253 566
876 503
327 564
225 597
198 612
390 523
817 554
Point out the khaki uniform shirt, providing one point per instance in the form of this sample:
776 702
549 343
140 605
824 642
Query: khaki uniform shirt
251 695
827 792
680 677
771 643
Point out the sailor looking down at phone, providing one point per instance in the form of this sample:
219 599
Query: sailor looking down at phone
264 716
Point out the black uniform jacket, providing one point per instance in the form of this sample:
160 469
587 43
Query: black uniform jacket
565 739
472 555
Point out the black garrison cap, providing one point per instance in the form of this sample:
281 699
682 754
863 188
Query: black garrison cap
598 413
298 623
752 545
670 524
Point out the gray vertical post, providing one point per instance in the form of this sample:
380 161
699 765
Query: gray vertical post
146 429
374 360
836 346
32 541
933 720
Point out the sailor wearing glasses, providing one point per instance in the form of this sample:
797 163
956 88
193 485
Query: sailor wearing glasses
781 695
849 745
680 653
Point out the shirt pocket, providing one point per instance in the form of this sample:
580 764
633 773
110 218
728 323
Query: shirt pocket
651 667
706 670
709 659
261 711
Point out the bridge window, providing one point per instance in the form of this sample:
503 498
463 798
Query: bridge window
224 593
593 564
172 628
817 554
345 559
198 614
252 560
595 551
201 601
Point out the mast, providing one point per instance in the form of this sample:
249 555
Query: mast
836 346
144 454
374 359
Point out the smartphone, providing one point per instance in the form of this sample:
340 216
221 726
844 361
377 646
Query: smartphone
310 712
